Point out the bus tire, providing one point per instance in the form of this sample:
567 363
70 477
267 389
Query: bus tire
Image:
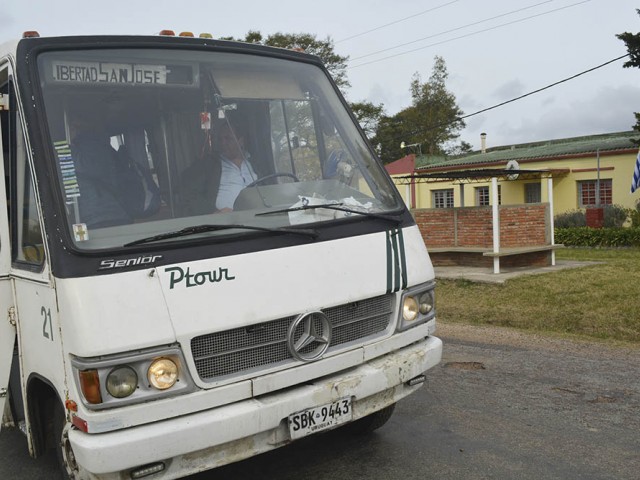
61 446
372 422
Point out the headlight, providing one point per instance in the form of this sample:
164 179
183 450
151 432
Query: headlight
409 309
418 306
119 379
122 382
162 373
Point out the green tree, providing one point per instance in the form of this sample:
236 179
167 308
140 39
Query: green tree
632 42
463 148
369 116
436 112
336 64
390 134
432 122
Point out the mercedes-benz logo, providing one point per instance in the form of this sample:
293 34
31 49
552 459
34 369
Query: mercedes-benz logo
309 336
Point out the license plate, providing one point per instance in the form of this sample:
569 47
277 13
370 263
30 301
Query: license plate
320 418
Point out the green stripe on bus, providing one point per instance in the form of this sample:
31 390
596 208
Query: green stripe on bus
403 258
396 276
389 268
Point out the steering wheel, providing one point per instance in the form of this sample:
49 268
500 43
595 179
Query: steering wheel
270 176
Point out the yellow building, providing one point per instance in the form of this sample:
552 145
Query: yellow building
577 168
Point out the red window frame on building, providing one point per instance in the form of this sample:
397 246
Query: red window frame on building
587 193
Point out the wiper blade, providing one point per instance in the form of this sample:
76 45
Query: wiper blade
334 206
196 229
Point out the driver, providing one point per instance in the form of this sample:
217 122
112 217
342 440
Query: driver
212 183
237 171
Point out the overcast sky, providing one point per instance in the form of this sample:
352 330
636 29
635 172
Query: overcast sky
494 50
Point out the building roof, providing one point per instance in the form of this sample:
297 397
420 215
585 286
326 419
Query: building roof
550 149
405 164
424 161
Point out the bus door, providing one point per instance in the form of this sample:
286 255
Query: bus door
7 316
30 343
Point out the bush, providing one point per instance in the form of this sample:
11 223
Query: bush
615 216
598 237
634 215
573 218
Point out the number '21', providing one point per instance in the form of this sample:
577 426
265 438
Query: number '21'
47 327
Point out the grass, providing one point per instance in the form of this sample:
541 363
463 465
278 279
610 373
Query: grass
601 301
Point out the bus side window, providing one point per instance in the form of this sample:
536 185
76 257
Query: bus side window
26 235
29 235
4 123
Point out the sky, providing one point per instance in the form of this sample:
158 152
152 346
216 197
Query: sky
494 51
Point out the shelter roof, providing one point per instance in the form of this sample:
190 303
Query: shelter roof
478 175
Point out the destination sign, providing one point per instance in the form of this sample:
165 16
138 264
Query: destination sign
118 73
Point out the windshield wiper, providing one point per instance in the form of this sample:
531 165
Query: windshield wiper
333 206
196 229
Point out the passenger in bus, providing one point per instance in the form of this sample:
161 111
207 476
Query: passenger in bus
213 183
110 188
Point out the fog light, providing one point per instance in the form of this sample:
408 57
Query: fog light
426 303
122 382
409 309
162 373
417 380
147 470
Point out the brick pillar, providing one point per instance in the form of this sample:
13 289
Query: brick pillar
595 217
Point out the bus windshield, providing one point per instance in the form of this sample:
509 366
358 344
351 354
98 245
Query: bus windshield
150 141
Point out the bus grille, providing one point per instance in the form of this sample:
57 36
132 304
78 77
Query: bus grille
246 350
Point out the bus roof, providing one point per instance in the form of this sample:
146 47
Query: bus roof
11 47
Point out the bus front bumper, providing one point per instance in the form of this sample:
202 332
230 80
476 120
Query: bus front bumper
233 432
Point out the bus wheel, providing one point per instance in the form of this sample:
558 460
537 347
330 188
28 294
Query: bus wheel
64 454
372 422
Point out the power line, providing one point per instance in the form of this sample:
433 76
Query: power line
397 21
471 34
449 31
433 127
541 89
462 117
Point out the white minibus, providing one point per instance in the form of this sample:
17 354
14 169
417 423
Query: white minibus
201 257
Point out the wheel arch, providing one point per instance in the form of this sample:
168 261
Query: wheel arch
42 397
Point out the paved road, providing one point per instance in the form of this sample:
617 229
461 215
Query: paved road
502 405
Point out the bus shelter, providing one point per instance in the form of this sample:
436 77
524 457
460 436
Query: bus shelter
518 234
